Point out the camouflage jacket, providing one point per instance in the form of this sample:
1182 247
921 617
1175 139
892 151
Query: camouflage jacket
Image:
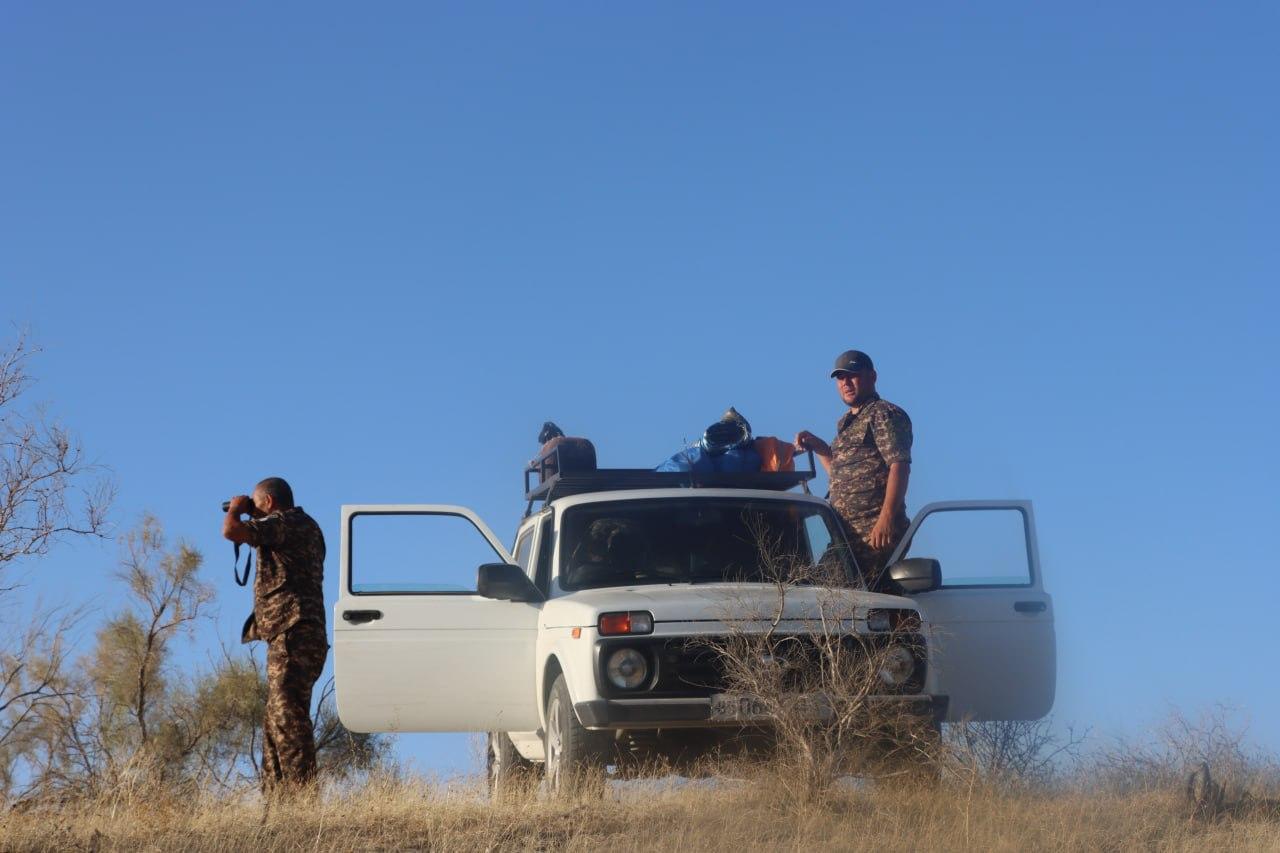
866 444
289 587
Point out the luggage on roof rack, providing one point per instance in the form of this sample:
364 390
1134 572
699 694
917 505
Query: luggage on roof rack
546 479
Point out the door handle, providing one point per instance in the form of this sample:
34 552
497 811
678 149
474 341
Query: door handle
1030 606
359 617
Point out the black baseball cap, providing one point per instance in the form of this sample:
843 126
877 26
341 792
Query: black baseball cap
851 361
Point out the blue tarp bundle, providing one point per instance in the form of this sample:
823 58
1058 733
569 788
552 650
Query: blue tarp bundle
695 458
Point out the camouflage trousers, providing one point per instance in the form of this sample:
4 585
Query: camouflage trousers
294 660
871 561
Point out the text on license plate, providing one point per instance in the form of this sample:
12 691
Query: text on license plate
725 706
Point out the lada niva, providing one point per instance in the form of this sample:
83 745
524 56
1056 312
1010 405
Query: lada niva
578 640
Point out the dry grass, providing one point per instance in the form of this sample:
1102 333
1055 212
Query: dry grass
391 814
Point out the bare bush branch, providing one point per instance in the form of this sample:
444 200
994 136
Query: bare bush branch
49 489
170 595
117 717
33 680
803 661
1181 744
123 719
1012 752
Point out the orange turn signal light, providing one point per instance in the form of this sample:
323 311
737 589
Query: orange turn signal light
615 623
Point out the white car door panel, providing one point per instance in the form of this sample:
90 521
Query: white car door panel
415 647
991 623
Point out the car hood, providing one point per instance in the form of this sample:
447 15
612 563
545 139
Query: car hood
715 602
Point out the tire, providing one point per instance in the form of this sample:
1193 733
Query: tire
574 755
509 771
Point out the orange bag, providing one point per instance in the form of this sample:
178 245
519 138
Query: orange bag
776 454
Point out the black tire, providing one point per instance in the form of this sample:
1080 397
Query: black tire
574 755
509 771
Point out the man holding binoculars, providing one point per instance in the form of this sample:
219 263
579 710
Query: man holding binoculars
288 613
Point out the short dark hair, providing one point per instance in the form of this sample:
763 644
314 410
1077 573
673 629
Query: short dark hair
278 490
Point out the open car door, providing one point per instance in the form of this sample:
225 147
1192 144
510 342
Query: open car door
991 621
416 648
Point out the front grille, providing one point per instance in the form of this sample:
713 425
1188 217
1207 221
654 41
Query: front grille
692 667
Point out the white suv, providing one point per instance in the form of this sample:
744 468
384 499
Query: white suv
592 641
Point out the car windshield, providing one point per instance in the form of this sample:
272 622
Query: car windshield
700 540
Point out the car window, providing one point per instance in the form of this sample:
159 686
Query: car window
523 546
415 553
700 540
546 544
976 547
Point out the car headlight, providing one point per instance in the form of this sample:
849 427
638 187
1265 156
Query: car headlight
896 666
627 669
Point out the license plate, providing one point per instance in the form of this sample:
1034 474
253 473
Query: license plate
727 706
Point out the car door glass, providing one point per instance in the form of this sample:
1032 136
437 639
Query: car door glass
523 545
817 535
416 553
976 547
828 550
545 544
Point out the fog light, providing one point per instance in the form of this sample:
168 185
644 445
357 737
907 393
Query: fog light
896 666
627 669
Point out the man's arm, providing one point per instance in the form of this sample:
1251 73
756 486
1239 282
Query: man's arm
895 494
232 527
891 429
806 440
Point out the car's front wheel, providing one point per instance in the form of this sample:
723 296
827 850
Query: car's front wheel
575 756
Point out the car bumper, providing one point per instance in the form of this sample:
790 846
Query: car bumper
696 713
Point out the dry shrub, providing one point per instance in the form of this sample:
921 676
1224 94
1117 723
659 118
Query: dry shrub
1011 753
50 492
1177 747
397 813
125 717
743 805
794 657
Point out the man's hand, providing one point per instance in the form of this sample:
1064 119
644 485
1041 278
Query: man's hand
895 494
806 440
232 527
882 534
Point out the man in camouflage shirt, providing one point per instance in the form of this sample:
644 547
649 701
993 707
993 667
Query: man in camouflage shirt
288 613
868 465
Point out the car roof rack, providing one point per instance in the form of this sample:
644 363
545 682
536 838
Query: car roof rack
549 486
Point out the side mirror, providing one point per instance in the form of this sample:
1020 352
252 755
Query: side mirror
916 574
505 582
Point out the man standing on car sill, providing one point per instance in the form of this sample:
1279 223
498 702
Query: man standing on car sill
288 613
868 465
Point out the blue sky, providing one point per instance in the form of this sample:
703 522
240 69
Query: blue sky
373 248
